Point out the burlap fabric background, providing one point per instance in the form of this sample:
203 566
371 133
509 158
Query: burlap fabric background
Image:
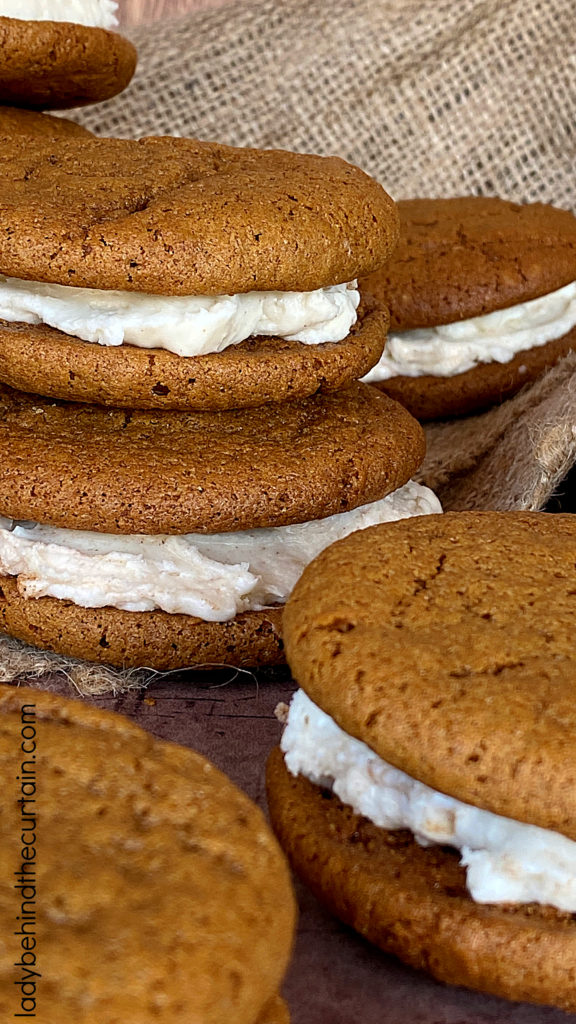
432 97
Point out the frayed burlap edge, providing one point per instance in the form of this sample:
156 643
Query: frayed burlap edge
511 457
20 663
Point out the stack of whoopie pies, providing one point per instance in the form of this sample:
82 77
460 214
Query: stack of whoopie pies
426 785
482 297
190 315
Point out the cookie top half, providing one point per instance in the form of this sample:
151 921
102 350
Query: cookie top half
446 644
463 257
161 893
57 64
178 216
139 471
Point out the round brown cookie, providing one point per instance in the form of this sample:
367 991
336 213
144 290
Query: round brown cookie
412 901
178 216
54 64
464 257
432 398
44 361
150 869
155 639
29 122
446 644
115 471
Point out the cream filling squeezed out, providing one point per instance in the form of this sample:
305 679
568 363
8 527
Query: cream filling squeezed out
188 325
496 337
92 13
506 861
212 576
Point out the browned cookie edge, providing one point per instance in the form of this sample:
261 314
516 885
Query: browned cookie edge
137 471
15 121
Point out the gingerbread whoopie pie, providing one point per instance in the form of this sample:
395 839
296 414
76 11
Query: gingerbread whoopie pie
426 788
168 539
482 297
62 53
172 273
141 885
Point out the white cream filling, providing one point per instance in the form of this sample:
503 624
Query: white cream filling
496 337
507 861
93 13
211 576
189 325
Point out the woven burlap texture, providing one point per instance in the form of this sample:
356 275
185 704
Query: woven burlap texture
432 97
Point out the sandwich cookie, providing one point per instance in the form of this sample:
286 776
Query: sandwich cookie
482 295
171 273
427 793
55 55
169 539
146 887
14 121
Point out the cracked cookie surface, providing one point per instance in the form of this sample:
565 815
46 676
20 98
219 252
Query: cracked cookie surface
463 257
446 644
175 216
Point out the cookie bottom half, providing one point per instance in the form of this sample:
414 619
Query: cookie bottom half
156 639
41 360
434 398
412 901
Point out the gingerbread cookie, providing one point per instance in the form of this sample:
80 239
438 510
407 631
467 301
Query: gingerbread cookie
482 294
149 868
182 274
169 539
56 64
437 674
